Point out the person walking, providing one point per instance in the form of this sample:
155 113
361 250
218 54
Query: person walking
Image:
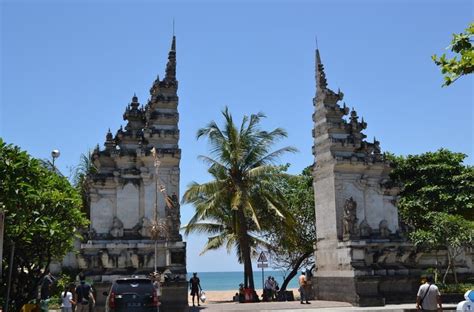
195 285
428 296
302 289
46 284
67 299
83 295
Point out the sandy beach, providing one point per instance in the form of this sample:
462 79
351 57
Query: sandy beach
221 296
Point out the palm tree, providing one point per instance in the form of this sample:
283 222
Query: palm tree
85 168
220 221
241 165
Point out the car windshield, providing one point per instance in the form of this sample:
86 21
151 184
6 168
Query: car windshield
138 286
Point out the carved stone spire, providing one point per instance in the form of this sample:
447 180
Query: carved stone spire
171 66
321 82
109 141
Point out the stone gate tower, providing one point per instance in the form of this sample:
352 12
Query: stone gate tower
361 254
131 187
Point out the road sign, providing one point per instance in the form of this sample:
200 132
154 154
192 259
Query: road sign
262 257
262 265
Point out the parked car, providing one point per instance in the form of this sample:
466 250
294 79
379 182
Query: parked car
131 294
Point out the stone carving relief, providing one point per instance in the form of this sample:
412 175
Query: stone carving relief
107 261
117 228
122 259
383 229
135 260
174 176
365 229
172 215
81 261
350 219
143 227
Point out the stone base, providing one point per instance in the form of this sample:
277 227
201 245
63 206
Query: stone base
366 291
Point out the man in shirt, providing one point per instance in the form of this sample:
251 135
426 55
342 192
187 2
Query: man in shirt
428 296
84 295
195 285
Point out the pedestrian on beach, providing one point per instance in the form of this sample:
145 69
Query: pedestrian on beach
84 295
303 290
195 285
67 299
275 288
267 289
428 296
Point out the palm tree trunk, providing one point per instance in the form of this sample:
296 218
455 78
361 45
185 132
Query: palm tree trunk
245 249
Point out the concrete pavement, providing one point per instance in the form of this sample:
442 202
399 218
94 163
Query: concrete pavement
316 305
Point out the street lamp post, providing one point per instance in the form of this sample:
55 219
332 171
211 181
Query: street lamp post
55 154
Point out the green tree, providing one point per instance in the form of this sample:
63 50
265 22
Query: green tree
242 170
42 212
437 200
449 232
293 247
454 68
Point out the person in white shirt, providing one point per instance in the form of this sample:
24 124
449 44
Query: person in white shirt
67 299
428 296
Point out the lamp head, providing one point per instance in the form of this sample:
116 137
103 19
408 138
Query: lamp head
55 153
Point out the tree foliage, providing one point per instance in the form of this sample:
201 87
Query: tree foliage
461 64
80 180
437 200
42 213
293 247
242 187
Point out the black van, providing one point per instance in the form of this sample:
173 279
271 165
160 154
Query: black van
132 294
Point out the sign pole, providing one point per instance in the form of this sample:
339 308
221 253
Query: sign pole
262 259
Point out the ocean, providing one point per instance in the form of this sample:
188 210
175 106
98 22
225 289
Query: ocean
231 280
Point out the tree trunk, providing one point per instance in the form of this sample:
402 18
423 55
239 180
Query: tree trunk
245 249
294 270
447 269
453 265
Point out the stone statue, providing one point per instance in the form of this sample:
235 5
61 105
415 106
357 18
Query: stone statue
91 234
365 229
145 230
117 228
384 230
350 218
143 227
82 261
105 259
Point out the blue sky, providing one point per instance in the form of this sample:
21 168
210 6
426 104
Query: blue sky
69 68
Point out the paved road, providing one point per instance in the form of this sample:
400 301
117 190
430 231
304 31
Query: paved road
295 306
316 305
